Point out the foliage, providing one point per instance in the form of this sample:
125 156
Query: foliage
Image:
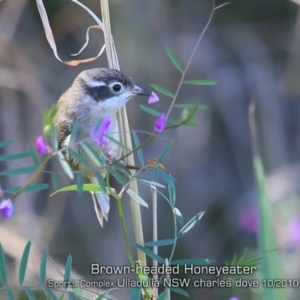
114 169
67 285
118 171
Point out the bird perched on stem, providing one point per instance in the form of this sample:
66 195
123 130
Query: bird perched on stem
94 95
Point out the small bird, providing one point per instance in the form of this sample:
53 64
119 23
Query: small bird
94 95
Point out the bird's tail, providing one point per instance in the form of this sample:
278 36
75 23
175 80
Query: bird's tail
101 205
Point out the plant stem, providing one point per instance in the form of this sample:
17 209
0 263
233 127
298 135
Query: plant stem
33 177
125 233
191 57
154 221
124 131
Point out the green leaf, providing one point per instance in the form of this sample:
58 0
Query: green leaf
68 269
160 243
10 295
150 110
79 183
137 145
19 171
72 296
23 264
172 193
62 296
101 181
152 183
119 166
55 181
243 257
30 188
200 82
117 176
162 90
136 197
48 117
174 59
117 143
150 253
167 178
54 137
179 291
165 152
50 294
43 266
191 124
184 114
29 294
190 106
78 291
14 156
234 259
65 165
87 187
174 122
253 262
103 295
190 224
78 157
271 263
91 153
178 215
162 296
5 143
2 266
136 293
34 156
193 261
74 133
182 122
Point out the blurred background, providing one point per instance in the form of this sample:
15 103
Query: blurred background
251 48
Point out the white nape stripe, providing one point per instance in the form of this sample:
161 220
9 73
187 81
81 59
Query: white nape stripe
94 83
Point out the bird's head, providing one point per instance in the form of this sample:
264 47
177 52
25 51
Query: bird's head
106 88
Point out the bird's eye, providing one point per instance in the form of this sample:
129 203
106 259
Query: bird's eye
117 87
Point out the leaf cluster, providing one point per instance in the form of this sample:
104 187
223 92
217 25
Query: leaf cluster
31 153
71 289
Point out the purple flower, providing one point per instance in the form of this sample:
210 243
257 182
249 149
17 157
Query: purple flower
234 298
153 98
160 123
249 219
40 145
6 208
99 130
293 232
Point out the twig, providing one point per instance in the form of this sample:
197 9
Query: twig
154 220
193 53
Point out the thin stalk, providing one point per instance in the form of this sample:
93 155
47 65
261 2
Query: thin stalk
191 57
125 233
168 278
154 221
33 177
124 132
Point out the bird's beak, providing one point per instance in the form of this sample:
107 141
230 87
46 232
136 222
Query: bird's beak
140 91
